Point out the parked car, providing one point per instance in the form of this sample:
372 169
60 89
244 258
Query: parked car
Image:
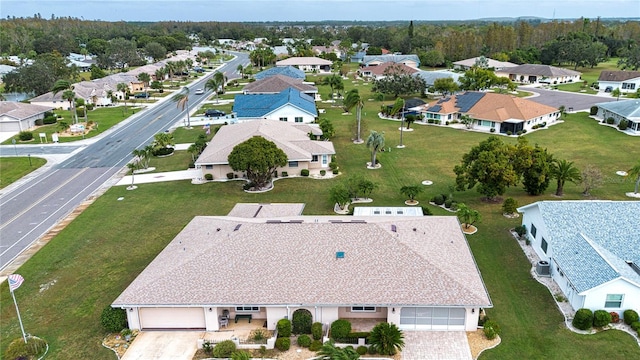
214 113
199 91
608 89
198 69
143 95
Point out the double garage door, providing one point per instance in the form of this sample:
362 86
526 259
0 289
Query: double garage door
172 318
432 318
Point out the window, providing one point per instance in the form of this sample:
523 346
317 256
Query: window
283 119
544 245
293 164
533 230
208 166
247 308
298 119
628 86
314 158
613 301
363 309
324 159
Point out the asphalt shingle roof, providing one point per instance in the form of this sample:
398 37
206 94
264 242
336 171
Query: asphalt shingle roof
620 75
276 84
630 109
289 71
19 111
540 70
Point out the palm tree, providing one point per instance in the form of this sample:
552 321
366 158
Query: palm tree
182 99
160 73
329 351
67 88
133 166
411 191
162 140
467 215
221 79
563 171
333 81
123 88
375 142
240 69
353 99
142 156
398 106
145 78
215 83
386 338
634 172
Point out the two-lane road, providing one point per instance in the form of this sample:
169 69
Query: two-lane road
30 210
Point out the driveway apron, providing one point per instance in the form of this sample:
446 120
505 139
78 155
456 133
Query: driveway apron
432 345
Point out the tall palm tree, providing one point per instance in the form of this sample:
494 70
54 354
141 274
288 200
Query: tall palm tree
123 88
375 142
634 172
240 70
563 171
386 338
145 78
333 81
182 100
68 94
221 79
160 73
398 106
353 99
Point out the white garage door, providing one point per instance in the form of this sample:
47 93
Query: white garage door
432 318
172 318
9 126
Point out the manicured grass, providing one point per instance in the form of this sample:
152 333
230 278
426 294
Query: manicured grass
178 161
96 257
576 87
13 168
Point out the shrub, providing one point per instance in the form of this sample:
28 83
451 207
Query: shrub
258 335
333 165
241 355
492 130
386 338
301 322
610 120
19 350
521 230
39 122
623 124
509 133
524 131
248 185
438 199
230 175
454 206
208 177
316 330
283 343
593 110
583 319
25 135
615 317
323 172
519 133
630 316
224 349
50 120
601 318
304 341
285 174
426 211
163 151
447 203
340 328
635 325
372 350
315 345
284 328
113 319
509 205
491 329
304 172
335 171
361 350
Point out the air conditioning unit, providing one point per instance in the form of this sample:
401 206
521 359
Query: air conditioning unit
542 268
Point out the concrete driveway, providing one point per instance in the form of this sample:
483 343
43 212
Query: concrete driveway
163 345
436 345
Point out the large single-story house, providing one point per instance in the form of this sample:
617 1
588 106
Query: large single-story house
628 110
536 73
17 116
289 71
277 83
591 249
625 81
502 112
288 105
496 65
410 60
430 77
307 64
377 72
414 271
294 139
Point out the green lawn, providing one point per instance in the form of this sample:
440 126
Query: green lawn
178 161
13 168
95 258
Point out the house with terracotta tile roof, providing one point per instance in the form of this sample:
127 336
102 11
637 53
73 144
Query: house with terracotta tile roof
302 152
377 72
288 105
414 271
307 64
16 116
501 113
537 73
278 83
625 81
591 249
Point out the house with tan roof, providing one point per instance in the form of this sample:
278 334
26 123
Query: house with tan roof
278 83
625 81
537 73
302 152
377 72
16 116
492 112
307 64
414 271
410 60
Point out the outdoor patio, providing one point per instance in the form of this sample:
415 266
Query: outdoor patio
362 325
241 330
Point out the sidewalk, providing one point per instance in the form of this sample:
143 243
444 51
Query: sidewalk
159 177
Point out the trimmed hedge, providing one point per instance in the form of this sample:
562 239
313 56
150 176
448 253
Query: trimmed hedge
224 349
491 329
304 341
583 319
304 172
601 318
316 330
438 199
283 343
340 329
113 319
284 328
630 316
361 350
25 135
301 322
315 345
635 325
208 177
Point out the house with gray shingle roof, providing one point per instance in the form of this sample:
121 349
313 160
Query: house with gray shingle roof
628 110
536 73
307 63
278 83
496 65
415 271
289 71
17 116
288 105
302 152
625 81
592 249
410 60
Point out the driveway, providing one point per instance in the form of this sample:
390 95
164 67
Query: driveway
556 98
436 345
163 345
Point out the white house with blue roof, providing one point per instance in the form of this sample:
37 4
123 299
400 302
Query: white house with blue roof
289 105
592 249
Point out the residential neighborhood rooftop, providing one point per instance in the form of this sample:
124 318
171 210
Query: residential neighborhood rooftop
618 75
259 105
18 110
278 83
289 71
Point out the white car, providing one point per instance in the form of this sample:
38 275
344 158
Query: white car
199 91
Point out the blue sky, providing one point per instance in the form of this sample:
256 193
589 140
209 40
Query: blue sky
316 10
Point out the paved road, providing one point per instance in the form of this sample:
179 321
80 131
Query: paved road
33 208
556 98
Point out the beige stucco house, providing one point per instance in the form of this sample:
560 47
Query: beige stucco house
16 116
